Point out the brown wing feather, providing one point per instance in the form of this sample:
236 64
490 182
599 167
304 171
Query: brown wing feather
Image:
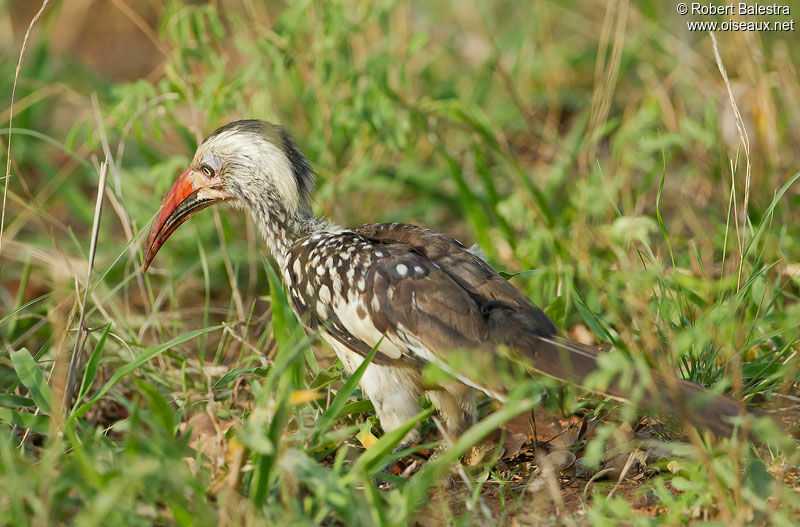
411 296
459 303
463 303
471 273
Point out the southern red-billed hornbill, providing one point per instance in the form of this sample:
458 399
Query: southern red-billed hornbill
422 292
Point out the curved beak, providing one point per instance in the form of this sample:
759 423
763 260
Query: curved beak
191 192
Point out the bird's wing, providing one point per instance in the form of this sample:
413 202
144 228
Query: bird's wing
359 290
426 298
510 318
414 301
435 301
473 275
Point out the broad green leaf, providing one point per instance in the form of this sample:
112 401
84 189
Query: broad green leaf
31 376
235 373
9 400
37 423
557 310
325 377
357 407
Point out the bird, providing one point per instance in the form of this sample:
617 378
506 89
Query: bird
421 297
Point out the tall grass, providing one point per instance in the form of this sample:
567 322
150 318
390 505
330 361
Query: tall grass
590 154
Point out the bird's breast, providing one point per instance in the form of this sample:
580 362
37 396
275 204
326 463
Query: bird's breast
328 276
326 270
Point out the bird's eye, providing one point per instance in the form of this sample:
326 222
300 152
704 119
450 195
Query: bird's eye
207 170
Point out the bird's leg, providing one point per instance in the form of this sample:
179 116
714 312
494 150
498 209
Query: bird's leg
456 405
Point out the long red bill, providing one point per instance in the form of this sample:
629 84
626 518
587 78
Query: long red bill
183 200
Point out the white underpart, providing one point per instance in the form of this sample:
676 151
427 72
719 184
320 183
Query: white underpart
394 391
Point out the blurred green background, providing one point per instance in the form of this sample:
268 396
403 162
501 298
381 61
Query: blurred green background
589 146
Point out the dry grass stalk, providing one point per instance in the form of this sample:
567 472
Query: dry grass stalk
742 130
80 337
7 178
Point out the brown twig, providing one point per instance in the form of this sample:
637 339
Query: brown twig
80 337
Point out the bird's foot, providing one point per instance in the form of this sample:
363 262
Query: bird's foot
401 467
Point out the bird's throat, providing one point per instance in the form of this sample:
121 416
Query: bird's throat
281 230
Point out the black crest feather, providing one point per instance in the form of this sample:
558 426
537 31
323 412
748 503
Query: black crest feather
301 168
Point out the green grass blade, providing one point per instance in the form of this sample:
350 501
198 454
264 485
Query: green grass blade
149 353
285 325
92 364
32 378
338 403
767 216
8 316
159 406
36 423
47 139
23 285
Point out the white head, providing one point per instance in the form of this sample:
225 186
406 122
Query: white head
250 163
253 158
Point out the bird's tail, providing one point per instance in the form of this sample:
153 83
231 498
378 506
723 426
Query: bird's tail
531 337
574 362
539 347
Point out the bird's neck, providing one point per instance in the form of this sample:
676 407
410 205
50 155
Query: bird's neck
281 230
